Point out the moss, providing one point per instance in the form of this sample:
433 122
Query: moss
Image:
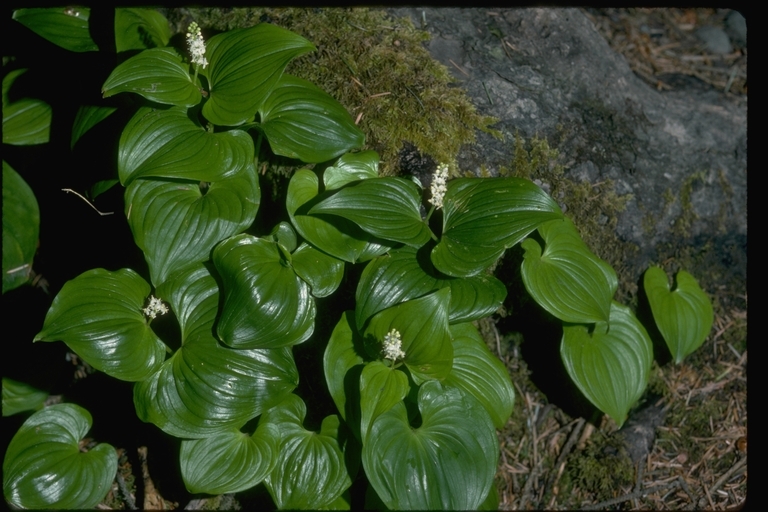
682 225
601 469
377 68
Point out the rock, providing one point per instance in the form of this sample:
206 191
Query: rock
736 27
715 39
681 154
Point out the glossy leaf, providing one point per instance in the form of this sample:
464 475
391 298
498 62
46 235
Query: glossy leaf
137 29
301 121
387 208
19 397
176 225
157 74
343 353
206 388
381 387
447 463
481 374
568 280
322 272
484 217
99 316
229 462
87 117
266 305
310 472
351 167
406 274
168 144
684 315
45 468
21 229
284 235
423 326
612 364
63 26
100 187
245 65
341 239
26 121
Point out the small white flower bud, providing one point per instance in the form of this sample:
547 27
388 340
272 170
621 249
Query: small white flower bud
392 343
196 45
155 307
438 187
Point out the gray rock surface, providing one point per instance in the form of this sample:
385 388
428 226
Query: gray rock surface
558 79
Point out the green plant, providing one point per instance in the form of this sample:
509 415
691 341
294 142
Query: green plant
417 391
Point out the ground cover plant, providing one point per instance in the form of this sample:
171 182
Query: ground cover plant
412 394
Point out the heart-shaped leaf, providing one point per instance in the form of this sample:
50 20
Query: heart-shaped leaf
206 388
423 327
612 364
322 272
406 274
301 121
137 29
381 387
568 280
99 316
63 26
245 65
168 144
176 225
387 208
351 167
310 472
447 463
684 315
45 468
19 397
21 229
26 121
484 217
229 462
266 305
343 353
479 373
87 117
157 74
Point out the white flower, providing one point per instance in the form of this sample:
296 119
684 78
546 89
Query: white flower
196 45
155 307
392 343
438 188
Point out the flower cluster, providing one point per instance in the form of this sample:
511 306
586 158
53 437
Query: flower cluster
392 343
155 307
196 45
438 188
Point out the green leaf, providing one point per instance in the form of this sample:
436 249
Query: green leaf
63 26
157 74
99 316
447 463
100 187
45 468
387 208
484 217
423 326
266 305
381 387
245 65
341 239
351 167
479 373
310 472
26 121
301 121
168 144
176 225
568 280
206 388
343 353
321 272
137 29
87 117
19 397
285 235
229 462
21 229
610 365
684 315
406 274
